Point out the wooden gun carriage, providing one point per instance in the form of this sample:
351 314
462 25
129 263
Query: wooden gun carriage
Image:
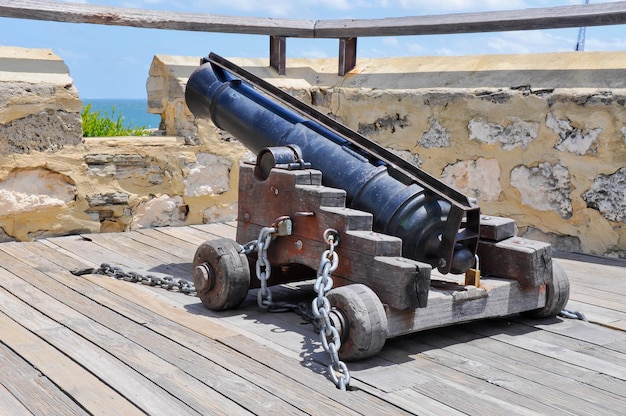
413 253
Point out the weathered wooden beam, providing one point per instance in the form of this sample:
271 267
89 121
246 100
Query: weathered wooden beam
153 19
600 14
278 54
347 55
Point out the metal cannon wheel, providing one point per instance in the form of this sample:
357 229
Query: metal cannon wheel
221 274
360 318
557 294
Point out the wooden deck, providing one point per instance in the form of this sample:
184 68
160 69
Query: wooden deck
95 345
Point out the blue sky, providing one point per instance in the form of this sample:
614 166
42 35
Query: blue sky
113 62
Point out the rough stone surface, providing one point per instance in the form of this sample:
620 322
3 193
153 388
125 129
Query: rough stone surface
126 166
114 198
26 190
545 187
567 243
162 211
478 179
518 133
437 136
553 122
412 158
39 106
572 139
209 175
220 213
40 132
608 196
384 124
166 95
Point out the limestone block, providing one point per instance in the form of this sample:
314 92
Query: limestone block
545 187
581 140
220 213
114 198
608 195
39 105
518 133
209 175
162 211
166 95
28 190
567 243
437 136
478 178
126 166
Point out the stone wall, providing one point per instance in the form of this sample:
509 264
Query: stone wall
539 138
55 182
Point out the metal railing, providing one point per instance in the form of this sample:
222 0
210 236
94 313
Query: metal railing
345 30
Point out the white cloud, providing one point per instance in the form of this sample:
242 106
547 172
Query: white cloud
530 42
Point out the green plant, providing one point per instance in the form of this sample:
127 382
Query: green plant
96 124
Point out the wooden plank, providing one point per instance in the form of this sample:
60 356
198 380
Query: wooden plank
10 404
288 362
278 53
495 297
154 19
595 314
225 230
557 352
79 335
90 391
32 390
455 349
251 346
296 394
210 373
483 338
94 253
347 55
576 329
497 21
181 250
190 235
152 259
527 19
496 228
422 404
527 261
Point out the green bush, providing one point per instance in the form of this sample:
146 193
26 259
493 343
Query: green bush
101 125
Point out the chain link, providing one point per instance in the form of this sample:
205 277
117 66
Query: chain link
166 282
263 266
320 306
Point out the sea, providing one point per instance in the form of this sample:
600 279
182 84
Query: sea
134 111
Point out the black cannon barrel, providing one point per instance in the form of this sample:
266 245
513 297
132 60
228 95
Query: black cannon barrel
417 215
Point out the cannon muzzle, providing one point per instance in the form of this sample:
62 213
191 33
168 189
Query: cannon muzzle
437 224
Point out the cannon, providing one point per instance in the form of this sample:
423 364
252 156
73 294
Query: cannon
414 253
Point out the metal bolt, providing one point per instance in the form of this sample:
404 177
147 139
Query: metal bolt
299 245
204 277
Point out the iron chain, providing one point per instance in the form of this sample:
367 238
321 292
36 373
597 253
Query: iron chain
329 336
166 282
263 266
